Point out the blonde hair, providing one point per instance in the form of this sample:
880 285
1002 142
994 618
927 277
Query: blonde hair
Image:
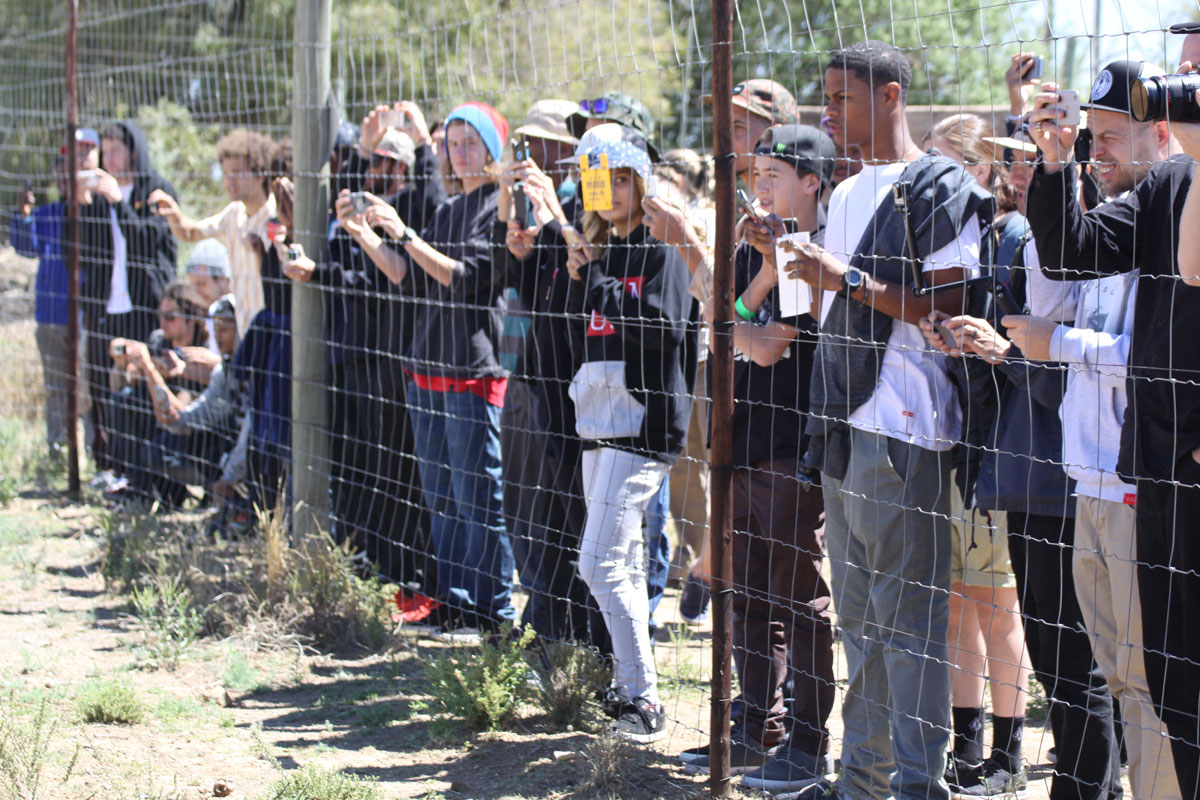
965 133
453 183
599 230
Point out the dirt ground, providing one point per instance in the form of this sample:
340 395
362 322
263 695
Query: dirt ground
282 709
240 712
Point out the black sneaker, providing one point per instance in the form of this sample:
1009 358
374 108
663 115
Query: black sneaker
610 701
989 779
639 720
694 600
745 754
790 770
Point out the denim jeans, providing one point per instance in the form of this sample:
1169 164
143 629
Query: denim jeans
887 531
457 437
658 546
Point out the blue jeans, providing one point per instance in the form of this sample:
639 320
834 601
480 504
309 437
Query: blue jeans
658 547
457 438
887 532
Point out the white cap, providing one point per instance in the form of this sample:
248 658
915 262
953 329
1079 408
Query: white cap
209 258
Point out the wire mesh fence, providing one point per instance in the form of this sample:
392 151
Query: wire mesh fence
457 290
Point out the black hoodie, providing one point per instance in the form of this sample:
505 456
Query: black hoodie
634 388
150 247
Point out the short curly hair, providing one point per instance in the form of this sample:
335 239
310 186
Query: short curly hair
259 151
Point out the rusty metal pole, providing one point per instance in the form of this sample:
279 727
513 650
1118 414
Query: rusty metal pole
721 366
70 243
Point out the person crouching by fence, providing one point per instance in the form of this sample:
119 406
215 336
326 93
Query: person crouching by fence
457 385
633 396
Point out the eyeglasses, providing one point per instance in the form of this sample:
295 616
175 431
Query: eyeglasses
170 316
598 106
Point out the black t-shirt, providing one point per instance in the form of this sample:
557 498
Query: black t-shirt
769 403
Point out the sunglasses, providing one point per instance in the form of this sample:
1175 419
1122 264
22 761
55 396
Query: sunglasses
599 106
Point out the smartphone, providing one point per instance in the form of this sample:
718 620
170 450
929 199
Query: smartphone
160 395
947 336
652 186
1069 102
1035 69
359 202
522 210
274 228
392 118
747 206
90 178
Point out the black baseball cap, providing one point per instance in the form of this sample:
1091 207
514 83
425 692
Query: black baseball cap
1110 91
802 146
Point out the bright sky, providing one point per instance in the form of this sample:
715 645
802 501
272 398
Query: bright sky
1132 29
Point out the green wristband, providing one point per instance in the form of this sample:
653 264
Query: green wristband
742 311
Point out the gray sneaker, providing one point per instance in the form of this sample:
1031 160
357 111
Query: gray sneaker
745 754
790 770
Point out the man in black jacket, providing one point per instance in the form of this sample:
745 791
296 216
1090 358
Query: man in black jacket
1161 433
127 257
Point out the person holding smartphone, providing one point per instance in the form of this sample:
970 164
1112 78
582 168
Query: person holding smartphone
632 395
783 636
456 384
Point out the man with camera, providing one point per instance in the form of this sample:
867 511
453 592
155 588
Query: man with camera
1160 436
1095 349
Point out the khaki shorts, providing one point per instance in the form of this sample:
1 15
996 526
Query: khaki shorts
980 553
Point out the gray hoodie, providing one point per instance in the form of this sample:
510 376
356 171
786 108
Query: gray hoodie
1096 352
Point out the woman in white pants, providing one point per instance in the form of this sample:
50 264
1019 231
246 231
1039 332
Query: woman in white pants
633 398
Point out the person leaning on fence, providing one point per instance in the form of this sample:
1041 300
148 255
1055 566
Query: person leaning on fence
883 417
543 495
241 226
986 633
1018 480
782 633
127 257
1096 351
36 232
1160 435
376 500
632 395
456 387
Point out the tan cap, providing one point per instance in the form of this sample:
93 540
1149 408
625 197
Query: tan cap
1019 141
396 144
547 119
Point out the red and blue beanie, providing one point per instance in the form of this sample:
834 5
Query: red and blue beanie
489 123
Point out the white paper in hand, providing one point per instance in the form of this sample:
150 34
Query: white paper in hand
795 296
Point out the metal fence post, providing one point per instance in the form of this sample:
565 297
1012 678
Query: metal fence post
721 469
310 170
71 242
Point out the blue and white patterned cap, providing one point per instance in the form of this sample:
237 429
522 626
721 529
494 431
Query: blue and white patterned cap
624 147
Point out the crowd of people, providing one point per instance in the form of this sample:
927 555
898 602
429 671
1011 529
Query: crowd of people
966 429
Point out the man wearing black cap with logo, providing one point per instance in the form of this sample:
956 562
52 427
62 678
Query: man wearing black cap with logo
781 625
1160 437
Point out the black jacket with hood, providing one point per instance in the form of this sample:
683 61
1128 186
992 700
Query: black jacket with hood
150 259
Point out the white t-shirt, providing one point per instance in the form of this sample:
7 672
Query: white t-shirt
119 301
914 400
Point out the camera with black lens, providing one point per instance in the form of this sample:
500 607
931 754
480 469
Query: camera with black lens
1161 97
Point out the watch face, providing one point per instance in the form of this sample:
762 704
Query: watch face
854 278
